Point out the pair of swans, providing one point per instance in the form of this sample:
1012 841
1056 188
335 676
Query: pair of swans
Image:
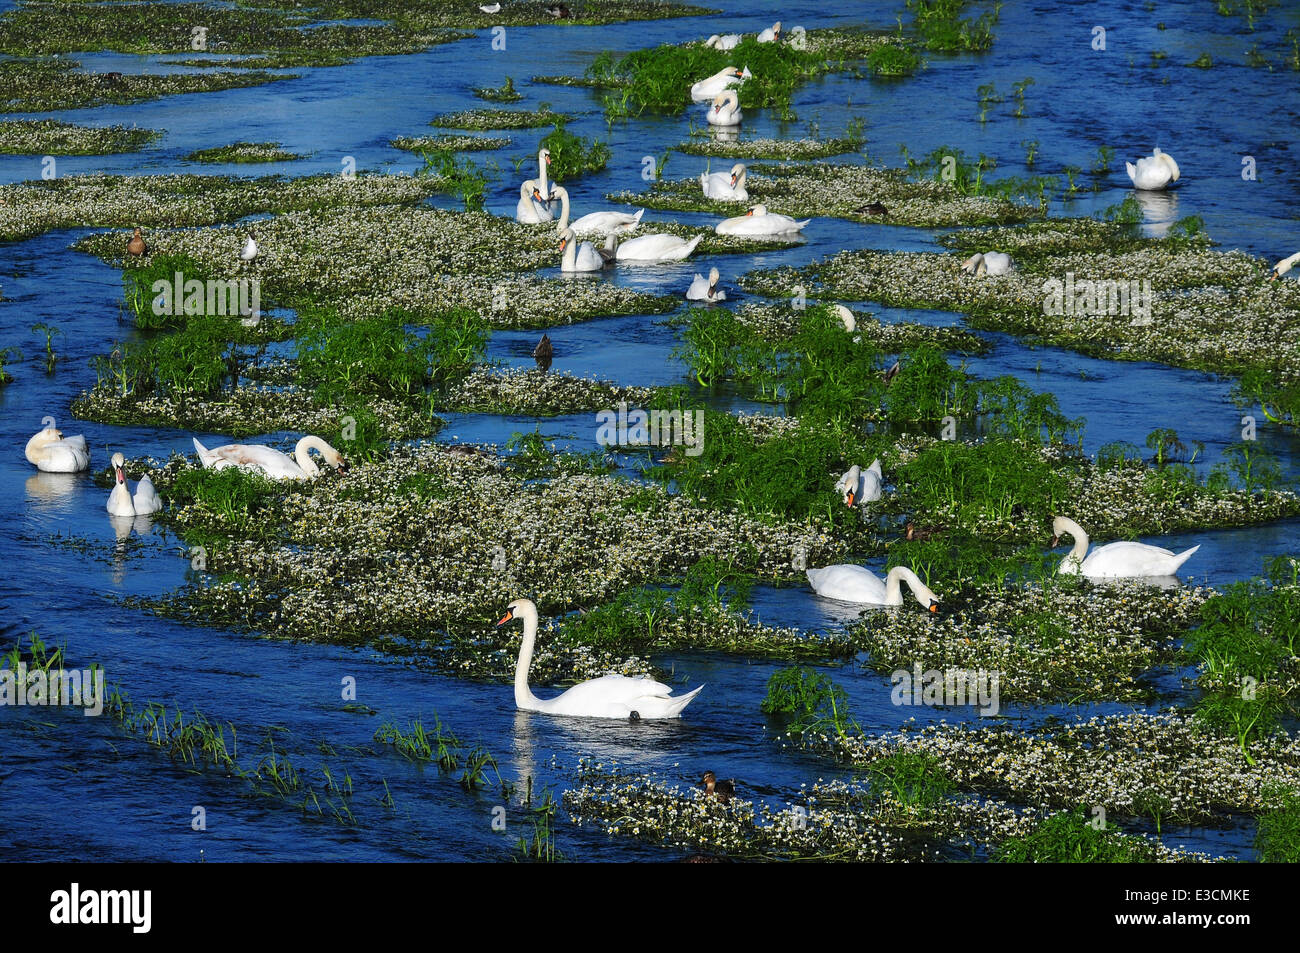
849 583
51 452
603 222
860 486
706 289
612 696
726 186
1153 172
122 503
1120 560
272 463
584 256
534 206
725 109
706 89
987 263
758 221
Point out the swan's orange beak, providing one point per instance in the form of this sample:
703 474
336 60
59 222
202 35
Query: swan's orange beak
848 498
563 242
934 607
510 614
733 180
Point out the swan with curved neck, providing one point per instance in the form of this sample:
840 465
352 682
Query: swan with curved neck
579 256
706 289
611 696
122 503
604 222
51 452
849 583
532 208
273 463
728 186
725 109
1120 560
706 89
860 486
987 263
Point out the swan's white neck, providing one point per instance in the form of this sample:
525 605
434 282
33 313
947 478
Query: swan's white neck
570 261
302 455
894 590
1080 548
564 208
545 186
524 697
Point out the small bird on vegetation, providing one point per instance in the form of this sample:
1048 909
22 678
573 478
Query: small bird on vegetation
135 245
914 533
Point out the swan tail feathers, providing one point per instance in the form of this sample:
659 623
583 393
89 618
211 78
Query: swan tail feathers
1131 169
636 219
1184 556
677 704
206 456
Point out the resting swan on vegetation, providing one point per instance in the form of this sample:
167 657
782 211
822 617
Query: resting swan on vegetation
723 41
987 263
706 289
121 502
1153 172
729 186
1115 560
849 583
759 221
706 89
51 452
657 247
602 222
611 696
725 109
772 34
861 486
272 463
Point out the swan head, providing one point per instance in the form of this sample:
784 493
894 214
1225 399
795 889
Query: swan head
757 210
852 480
544 157
714 40
974 265
566 236
518 609
537 197
737 173
119 467
846 316
1061 526
923 593
776 29
1168 160
714 277
1283 266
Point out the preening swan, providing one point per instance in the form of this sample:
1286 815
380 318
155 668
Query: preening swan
658 247
706 89
50 451
612 696
849 583
532 208
729 186
1285 265
772 34
273 463
758 221
1115 560
602 222
724 41
249 251
1155 171
725 109
861 486
706 289
120 501
987 263
579 256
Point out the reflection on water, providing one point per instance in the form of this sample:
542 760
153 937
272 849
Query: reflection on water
1159 211
52 487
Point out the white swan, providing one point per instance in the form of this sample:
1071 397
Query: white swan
273 463
725 109
849 583
759 221
861 486
532 208
50 451
706 289
706 89
249 251
724 41
1155 171
603 222
1285 265
987 263
120 501
611 696
657 247
846 316
728 186
579 256
772 34
1115 560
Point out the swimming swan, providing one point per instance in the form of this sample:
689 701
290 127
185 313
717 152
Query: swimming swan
706 289
1155 171
861 486
532 208
611 696
728 186
657 247
603 222
579 256
758 221
51 452
120 501
273 463
1115 560
849 583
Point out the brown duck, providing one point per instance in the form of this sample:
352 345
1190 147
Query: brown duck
543 353
874 208
722 790
136 246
